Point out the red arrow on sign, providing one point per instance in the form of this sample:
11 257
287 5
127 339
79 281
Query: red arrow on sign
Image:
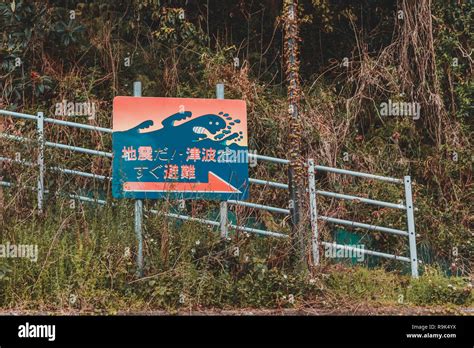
215 184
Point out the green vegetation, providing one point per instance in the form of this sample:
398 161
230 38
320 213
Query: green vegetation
85 264
87 253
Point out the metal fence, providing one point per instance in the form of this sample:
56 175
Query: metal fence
223 223
41 142
42 169
407 207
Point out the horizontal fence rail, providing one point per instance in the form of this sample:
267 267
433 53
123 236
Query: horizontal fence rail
269 159
78 125
18 115
260 206
55 121
364 251
59 146
59 169
362 225
359 174
360 199
268 183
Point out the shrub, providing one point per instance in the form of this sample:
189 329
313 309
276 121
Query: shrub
433 288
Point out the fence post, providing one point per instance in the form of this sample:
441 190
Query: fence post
223 204
137 92
40 160
313 212
411 226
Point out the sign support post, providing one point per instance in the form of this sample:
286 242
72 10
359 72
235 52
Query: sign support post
137 92
223 204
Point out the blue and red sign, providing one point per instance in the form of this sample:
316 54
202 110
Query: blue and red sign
180 148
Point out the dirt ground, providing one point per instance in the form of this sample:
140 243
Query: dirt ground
357 309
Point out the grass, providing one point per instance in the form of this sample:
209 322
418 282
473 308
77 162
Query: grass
86 263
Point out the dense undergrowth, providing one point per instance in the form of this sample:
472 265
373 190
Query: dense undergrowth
85 263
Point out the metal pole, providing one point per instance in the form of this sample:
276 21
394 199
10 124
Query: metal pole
411 226
223 205
137 92
40 186
313 212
